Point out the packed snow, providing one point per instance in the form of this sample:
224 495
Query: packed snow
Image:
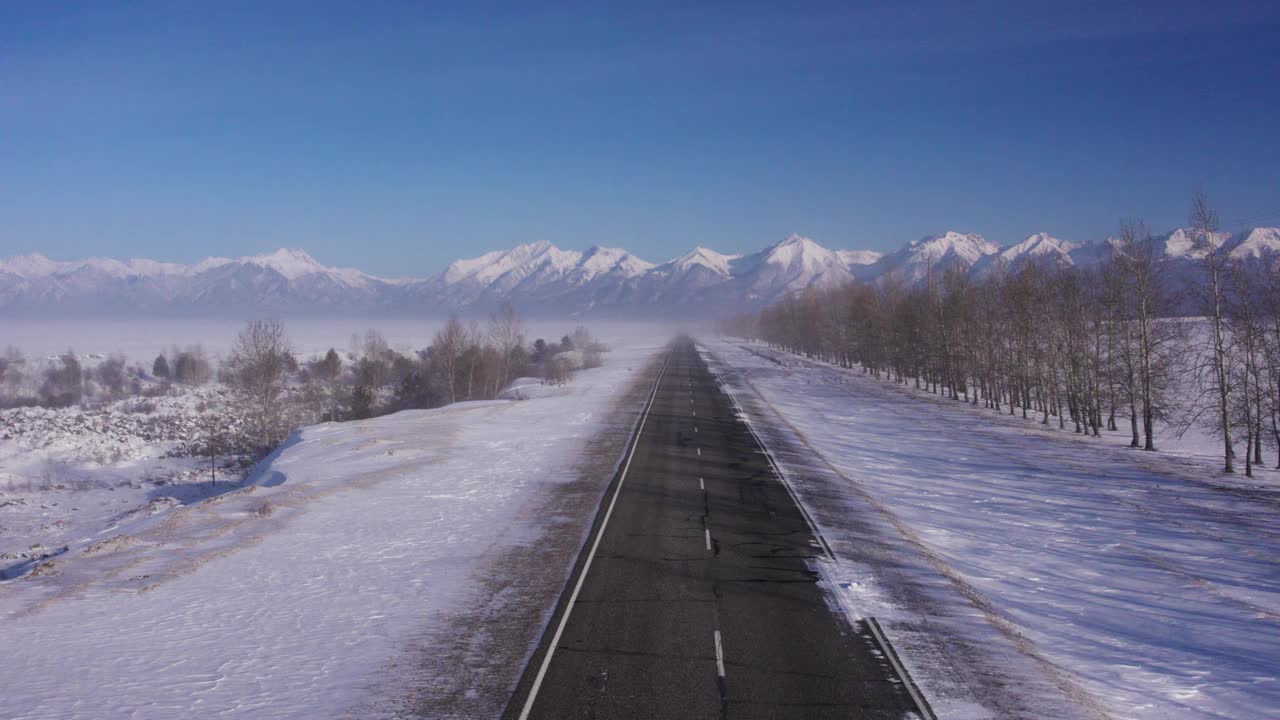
1093 580
311 591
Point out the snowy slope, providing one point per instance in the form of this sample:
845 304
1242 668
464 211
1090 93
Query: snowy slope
316 591
859 257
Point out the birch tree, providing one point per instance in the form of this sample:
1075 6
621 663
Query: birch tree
1204 227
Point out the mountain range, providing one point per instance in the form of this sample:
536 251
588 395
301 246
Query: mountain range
539 278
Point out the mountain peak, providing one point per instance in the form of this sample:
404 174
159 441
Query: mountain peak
537 247
1190 243
1257 243
32 265
966 246
598 259
289 262
796 239
704 257
797 246
1041 243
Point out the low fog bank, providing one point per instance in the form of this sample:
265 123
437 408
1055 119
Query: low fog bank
140 339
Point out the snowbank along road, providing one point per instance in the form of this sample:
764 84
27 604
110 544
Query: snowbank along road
697 595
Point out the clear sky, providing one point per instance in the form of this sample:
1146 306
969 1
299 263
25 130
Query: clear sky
396 136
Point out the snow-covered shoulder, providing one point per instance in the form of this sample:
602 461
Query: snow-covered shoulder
1132 586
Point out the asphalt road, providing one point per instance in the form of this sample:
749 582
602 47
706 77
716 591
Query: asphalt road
699 600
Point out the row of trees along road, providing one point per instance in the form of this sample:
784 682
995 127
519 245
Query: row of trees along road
1095 348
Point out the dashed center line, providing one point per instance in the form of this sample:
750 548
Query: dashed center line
719 656
699 452
707 532
700 485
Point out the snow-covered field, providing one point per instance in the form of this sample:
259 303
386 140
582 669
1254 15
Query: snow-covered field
1091 579
67 474
312 591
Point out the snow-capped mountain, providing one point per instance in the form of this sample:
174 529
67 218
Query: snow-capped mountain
1256 244
934 254
281 281
538 277
1039 249
792 265
542 279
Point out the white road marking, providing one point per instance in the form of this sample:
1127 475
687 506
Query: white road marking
719 656
700 485
586 566
699 452
708 534
886 648
695 428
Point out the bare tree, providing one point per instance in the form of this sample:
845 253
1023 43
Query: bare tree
375 365
447 348
110 374
12 376
1141 264
63 384
473 356
191 367
557 370
216 438
506 333
1271 344
1245 310
1214 259
258 365
328 371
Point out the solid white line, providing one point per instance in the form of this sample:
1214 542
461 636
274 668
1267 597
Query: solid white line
708 532
586 566
912 690
719 656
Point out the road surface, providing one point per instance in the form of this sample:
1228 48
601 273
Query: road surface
698 600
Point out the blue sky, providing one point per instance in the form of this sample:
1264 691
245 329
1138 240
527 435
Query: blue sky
397 136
